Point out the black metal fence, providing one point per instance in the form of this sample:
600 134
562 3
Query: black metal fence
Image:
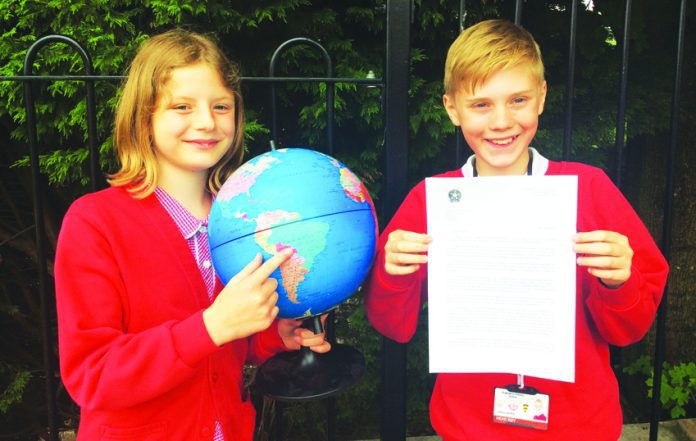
395 86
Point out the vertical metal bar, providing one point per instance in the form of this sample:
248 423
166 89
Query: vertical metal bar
331 411
274 111
45 302
96 177
393 424
330 320
570 85
279 406
331 419
621 113
667 226
518 11
330 93
458 137
40 235
620 141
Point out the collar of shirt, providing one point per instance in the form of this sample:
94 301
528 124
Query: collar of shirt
187 223
539 165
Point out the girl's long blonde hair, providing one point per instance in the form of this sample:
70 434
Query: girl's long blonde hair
147 75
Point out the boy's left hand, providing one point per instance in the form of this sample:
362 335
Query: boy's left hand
606 254
294 336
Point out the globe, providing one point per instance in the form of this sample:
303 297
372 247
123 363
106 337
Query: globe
301 199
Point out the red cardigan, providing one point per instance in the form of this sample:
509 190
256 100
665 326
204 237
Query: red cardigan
461 406
134 352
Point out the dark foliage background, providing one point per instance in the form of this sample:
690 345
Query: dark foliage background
353 32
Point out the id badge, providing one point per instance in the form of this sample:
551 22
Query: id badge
525 407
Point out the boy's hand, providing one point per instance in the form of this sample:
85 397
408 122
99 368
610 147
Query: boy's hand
405 252
606 254
247 304
294 336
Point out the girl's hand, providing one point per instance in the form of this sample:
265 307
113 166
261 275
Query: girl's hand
294 336
247 304
606 254
405 252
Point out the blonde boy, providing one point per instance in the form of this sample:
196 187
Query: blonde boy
495 91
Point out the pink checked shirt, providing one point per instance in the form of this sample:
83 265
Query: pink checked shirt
195 231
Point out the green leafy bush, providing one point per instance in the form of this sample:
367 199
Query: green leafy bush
14 390
678 387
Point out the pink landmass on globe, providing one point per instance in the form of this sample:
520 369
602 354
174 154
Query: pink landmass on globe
293 273
352 186
267 219
244 178
264 222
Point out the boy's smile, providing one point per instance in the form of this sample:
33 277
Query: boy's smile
499 119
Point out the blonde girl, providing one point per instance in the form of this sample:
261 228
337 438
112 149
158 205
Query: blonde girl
151 344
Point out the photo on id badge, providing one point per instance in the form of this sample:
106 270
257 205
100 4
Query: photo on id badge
521 407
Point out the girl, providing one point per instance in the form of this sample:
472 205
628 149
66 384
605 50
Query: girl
151 345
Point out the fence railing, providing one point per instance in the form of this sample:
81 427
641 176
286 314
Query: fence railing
395 97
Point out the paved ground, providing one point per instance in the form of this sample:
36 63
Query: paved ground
678 430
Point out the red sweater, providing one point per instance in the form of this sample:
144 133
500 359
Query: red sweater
461 406
134 352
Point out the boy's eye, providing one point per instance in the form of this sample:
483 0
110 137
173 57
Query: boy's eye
480 105
519 100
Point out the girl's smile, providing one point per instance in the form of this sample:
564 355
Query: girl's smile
203 144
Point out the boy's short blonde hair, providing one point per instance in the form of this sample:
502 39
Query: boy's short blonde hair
486 48
147 76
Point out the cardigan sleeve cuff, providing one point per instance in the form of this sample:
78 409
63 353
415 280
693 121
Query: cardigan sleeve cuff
266 344
192 341
270 339
395 284
625 296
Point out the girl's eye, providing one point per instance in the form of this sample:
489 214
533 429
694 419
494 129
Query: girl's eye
181 107
222 107
519 100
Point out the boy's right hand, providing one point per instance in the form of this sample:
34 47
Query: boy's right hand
247 304
405 252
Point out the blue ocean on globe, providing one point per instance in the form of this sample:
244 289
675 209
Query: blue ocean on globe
301 199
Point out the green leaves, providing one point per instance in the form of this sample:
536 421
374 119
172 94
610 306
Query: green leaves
678 386
111 32
168 12
14 390
61 167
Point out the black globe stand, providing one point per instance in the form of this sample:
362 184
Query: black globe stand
306 375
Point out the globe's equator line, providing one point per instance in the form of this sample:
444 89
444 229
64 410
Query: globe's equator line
288 223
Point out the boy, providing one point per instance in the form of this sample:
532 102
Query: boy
495 91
